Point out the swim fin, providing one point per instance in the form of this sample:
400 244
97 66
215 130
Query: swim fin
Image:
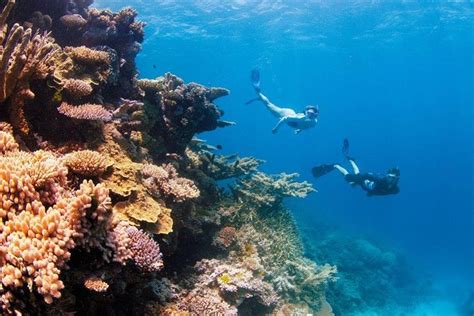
322 170
255 79
345 150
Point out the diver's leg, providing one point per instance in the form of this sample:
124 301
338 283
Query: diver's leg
341 170
354 166
275 110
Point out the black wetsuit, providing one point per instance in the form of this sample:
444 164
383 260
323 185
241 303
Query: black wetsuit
374 184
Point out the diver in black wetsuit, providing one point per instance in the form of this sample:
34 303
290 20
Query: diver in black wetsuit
373 184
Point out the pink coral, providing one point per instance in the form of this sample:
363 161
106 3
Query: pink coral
131 243
93 112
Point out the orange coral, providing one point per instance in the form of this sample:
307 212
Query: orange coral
41 222
96 284
93 112
7 143
86 162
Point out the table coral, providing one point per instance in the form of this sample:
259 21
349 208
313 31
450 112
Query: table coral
88 111
268 190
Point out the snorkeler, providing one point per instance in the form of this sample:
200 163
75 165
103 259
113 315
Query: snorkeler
372 184
298 121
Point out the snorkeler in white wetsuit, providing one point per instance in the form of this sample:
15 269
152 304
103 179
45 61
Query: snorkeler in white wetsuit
297 121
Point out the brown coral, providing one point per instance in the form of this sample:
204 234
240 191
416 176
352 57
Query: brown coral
73 21
87 56
86 163
24 56
163 181
88 111
76 88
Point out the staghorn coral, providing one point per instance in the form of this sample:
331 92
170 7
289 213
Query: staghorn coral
269 190
87 56
76 88
87 163
163 181
91 112
222 167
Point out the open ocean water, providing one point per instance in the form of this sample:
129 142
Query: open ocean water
396 79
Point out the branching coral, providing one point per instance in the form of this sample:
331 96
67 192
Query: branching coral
23 57
92 112
134 244
269 190
163 181
222 167
86 163
87 56
38 231
235 280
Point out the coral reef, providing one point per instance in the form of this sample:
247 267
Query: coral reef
371 278
110 203
93 112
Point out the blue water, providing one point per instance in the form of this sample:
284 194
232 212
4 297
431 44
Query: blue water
394 78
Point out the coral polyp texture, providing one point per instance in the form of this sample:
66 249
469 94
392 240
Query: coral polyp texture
109 202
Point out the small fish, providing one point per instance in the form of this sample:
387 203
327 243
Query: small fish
219 147
154 66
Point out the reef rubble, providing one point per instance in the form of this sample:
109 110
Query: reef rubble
109 202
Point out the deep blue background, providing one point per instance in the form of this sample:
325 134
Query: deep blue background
396 79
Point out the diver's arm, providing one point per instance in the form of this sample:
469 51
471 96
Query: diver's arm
281 121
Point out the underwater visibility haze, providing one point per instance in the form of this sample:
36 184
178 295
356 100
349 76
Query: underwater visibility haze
137 178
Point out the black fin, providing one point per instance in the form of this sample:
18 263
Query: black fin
322 170
255 79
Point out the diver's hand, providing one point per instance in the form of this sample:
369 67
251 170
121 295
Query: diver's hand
297 131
